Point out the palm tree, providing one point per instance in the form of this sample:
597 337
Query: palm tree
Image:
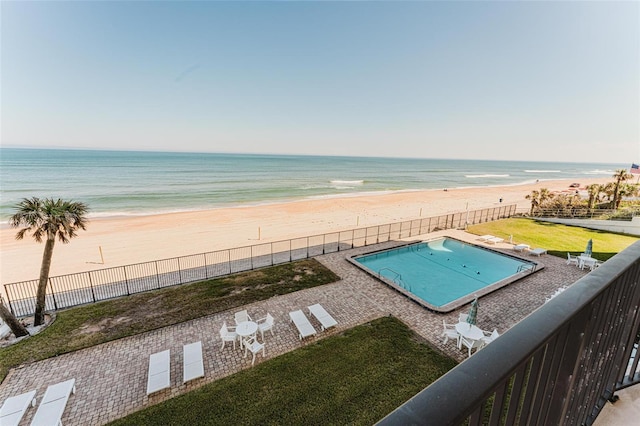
594 194
535 200
49 219
7 316
620 176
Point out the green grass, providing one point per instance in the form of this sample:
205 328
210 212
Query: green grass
557 239
356 377
97 323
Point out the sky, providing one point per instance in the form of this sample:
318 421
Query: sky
503 80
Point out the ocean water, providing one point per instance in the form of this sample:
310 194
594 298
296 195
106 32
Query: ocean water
116 183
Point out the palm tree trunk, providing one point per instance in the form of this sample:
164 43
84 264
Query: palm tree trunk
44 278
16 327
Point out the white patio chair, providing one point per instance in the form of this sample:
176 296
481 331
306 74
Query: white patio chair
572 260
589 263
463 317
490 337
242 316
254 346
265 324
472 344
449 332
227 335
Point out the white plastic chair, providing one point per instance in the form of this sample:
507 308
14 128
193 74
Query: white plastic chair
572 260
449 332
254 346
490 337
242 316
589 263
463 317
227 335
265 324
472 344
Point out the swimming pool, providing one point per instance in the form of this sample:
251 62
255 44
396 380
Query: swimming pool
445 273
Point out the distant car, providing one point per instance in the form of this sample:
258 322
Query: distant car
574 185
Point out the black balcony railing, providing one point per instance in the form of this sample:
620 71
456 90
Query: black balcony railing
93 286
558 366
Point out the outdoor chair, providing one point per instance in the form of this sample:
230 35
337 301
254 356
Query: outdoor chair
192 365
463 317
323 317
254 346
303 325
53 404
159 373
449 332
472 344
14 408
242 316
227 335
265 324
572 260
490 337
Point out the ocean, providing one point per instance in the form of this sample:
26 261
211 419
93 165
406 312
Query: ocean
117 183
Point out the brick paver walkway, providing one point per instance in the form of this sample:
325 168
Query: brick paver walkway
111 378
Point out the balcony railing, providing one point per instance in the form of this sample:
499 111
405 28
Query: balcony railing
558 366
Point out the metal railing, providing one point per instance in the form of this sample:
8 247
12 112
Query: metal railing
88 287
581 212
558 366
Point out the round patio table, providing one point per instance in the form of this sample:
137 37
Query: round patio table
469 331
245 329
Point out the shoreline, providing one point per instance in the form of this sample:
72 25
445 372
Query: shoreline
127 240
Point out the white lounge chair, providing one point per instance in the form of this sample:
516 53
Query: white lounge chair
326 320
265 324
521 247
192 361
159 373
537 251
485 237
254 346
494 240
303 325
242 316
14 408
450 332
53 404
228 335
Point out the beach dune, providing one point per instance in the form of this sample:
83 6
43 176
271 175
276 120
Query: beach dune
117 241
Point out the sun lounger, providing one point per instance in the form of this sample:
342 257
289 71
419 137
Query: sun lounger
537 251
53 404
494 240
158 372
303 325
192 362
326 320
485 237
521 247
14 408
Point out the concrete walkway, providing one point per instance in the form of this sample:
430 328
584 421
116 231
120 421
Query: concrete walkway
111 378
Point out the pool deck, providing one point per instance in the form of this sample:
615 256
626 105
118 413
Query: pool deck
111 378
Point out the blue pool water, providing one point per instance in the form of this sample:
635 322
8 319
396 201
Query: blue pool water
443 271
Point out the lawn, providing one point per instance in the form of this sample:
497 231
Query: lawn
356 377
90 325
557 239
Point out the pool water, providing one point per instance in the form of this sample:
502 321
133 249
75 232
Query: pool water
445 271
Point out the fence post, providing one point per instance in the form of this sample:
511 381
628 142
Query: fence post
307 247
206 269
93 294
157 275
8 299
126 280
179 272
271 252
251 257
53 295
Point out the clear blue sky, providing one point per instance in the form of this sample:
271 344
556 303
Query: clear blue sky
542 80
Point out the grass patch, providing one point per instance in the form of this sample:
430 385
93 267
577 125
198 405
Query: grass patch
356 377
97 323
556 238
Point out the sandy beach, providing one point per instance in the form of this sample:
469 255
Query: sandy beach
126 240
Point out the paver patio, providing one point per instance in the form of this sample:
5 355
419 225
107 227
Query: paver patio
111 378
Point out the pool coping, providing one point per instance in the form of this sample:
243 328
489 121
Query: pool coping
461 301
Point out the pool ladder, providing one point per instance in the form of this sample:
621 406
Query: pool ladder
396 279
523 268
